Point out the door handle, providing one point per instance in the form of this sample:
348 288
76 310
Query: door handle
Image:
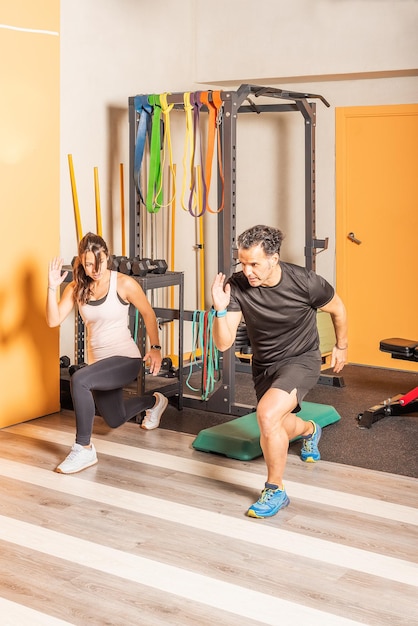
353 238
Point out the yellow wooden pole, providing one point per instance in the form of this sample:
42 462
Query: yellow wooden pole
97 197
173 232
75 199
202 265
122 209
201 243
172 256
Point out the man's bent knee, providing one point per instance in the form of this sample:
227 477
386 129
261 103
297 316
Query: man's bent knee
273 409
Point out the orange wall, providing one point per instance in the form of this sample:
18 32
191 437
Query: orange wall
29 207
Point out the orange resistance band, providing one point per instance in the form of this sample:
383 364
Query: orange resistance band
214 103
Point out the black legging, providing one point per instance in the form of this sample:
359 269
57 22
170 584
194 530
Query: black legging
102 384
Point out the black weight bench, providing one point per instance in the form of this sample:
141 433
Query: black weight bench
401 404
406 349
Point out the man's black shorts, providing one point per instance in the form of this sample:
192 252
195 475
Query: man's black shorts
299 372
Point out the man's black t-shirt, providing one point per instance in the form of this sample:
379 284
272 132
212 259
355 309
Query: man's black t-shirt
281 320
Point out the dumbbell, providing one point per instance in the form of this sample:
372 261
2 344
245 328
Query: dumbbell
73 368
137 266
64 361
125 265
166 363
159 266
167 370
115 262
142 267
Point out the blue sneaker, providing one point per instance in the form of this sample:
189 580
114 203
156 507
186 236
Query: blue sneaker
269 503
310 452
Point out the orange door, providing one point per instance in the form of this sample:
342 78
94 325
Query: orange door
377 201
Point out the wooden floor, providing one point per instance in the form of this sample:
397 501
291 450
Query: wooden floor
155 534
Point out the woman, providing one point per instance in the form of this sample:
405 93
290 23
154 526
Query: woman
103 297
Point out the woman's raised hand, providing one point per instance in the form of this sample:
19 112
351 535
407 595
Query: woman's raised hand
55 278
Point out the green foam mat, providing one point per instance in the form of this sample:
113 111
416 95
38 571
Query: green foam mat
240 437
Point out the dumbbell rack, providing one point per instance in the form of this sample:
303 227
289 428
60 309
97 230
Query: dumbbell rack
174 390
158 281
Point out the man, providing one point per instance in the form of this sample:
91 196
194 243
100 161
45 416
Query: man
279 303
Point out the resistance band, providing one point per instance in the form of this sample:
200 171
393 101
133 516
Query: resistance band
188 157
197 181
136 325
144 109
154 119
214 104
202 339
154 194
167 147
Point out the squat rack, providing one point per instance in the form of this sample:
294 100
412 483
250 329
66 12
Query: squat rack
223 399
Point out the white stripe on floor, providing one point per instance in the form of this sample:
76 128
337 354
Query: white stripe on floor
318 495
251 531
13 614
196 587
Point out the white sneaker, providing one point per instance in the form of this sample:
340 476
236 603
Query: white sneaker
79 458
153 416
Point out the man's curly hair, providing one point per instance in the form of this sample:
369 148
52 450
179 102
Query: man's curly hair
270 239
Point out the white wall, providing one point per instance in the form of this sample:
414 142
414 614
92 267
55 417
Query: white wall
249 40
352 52
110 50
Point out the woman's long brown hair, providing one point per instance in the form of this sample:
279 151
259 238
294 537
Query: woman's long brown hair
82 283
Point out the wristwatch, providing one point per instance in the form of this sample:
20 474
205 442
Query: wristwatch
155 347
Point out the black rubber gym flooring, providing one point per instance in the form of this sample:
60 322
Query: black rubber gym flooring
390 445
